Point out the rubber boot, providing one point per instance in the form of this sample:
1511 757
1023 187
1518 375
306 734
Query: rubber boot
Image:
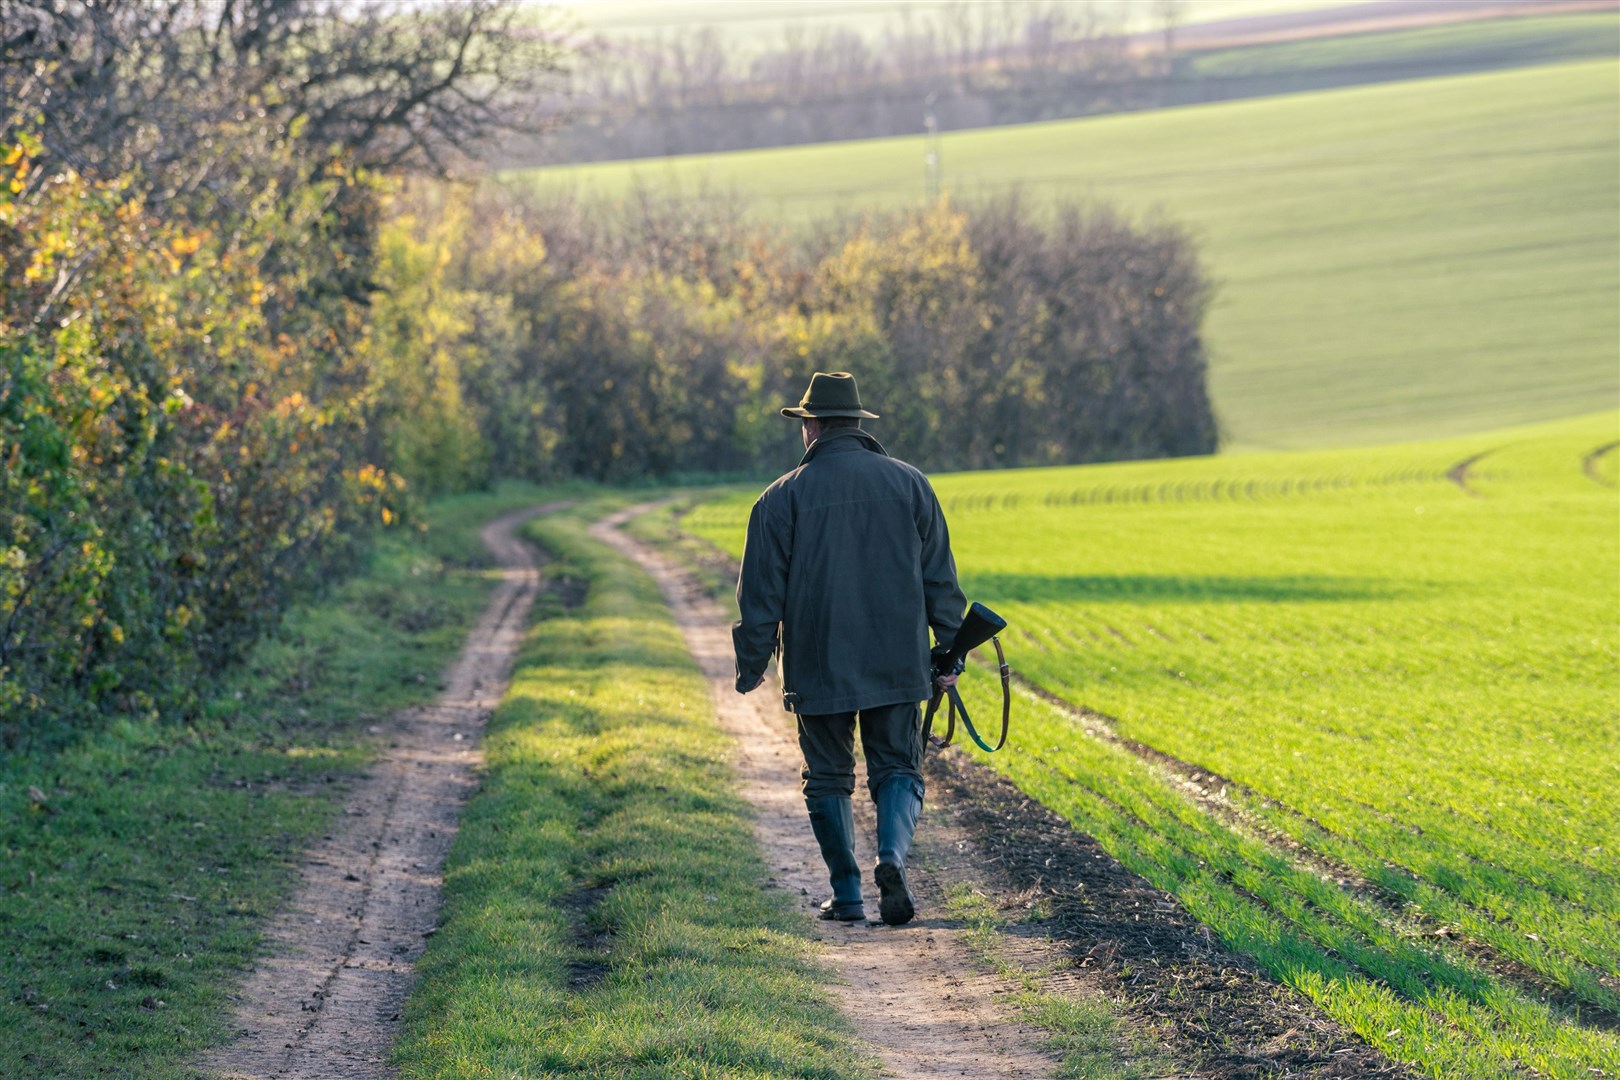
832 819
898 803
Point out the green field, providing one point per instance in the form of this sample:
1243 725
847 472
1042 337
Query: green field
1393 262
1484 43
764 23
1390 693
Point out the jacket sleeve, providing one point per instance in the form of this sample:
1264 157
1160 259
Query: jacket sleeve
941 593
761 592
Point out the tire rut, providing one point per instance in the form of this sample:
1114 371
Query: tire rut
325 1000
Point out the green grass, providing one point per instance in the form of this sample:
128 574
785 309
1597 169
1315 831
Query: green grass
132 894
1082 1029
1417 685
1393 262
1485 43
604 909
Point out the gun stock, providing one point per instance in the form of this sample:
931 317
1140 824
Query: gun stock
979 625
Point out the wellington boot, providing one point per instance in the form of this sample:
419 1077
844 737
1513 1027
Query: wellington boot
832 819
899 801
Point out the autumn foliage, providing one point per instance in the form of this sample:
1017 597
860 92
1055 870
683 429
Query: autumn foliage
232 349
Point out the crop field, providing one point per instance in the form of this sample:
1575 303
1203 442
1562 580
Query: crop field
763 24
1393 262
1483 43
1359 710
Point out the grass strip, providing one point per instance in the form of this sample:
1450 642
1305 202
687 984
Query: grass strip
604 909
1082 1029
1424 1005
141 861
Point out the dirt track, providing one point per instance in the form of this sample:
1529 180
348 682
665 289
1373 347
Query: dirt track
1105 932
913 992
325 1002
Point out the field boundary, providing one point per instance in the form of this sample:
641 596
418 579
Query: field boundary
341 955
1208 789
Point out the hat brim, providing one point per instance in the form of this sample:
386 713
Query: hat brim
798 412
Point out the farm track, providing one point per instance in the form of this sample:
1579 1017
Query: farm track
325 1002
912 993
1128 940
1207 788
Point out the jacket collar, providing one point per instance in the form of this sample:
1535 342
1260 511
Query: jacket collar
841 439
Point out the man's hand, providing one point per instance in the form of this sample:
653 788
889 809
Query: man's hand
945 682
759 682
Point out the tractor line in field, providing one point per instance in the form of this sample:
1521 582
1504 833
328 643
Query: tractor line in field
1137 944
1208 789
913 994
1589 463
1459 473
325 1001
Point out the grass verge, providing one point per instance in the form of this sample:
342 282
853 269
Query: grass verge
604 913
1082 1028
141 862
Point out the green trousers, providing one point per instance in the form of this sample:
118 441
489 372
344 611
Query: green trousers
891 735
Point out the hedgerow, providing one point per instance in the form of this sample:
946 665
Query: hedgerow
177 462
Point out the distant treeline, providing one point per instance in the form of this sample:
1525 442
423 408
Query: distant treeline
691 90
238 335
974 65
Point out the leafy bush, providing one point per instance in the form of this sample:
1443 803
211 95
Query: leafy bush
176 466
660 337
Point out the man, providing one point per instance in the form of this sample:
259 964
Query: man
848 554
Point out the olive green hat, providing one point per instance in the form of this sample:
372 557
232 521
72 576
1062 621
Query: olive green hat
830 395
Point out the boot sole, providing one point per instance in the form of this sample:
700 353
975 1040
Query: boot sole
894 903
843 914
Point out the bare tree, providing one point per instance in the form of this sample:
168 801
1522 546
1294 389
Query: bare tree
122 83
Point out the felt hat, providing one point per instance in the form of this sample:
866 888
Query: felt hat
830 395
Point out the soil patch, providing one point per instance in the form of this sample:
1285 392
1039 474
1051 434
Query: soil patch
326 999
1140 947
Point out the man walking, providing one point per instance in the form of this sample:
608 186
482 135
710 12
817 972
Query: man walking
848 559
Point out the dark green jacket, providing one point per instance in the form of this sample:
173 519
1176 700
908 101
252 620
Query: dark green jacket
849 555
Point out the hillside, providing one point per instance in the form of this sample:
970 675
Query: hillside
1395 261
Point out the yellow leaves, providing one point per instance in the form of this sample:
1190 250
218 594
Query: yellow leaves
15 155
387 516
369 476
186 245
294 402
